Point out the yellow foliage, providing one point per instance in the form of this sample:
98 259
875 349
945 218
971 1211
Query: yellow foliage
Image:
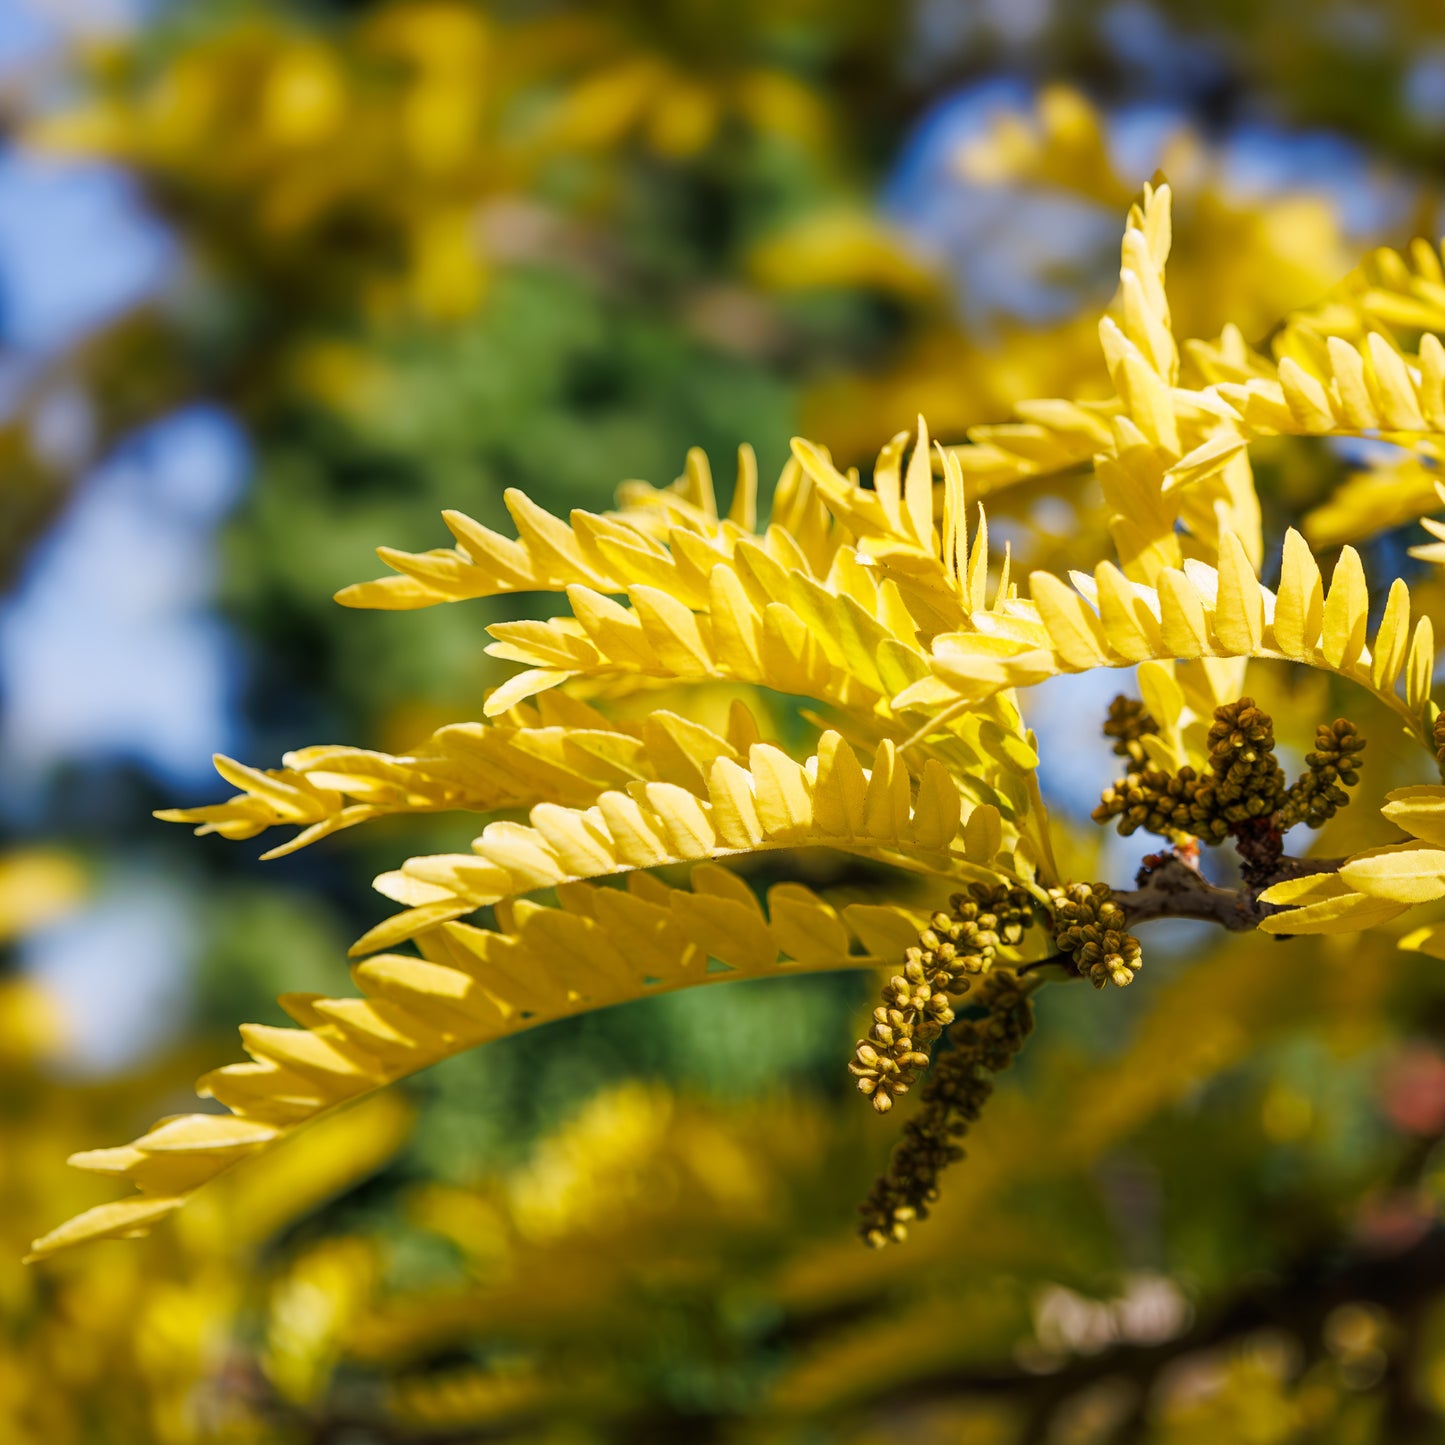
36 887
874 605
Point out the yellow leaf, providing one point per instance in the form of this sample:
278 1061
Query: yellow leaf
840 795
918 489
782 796
804 926
1403 873
1312 888
672 630
1394 386
1392 639
1299 605
122 1219
1429 940
1354 404
1432 380
1075 633
687 830
735 814
936 813
1239 608
743 510
636 841
886 803
983 834
1419 810
1420 665
1306 398
1346 608
1347 913
1182 622
1131 628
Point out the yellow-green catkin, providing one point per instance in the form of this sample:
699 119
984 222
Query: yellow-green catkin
918 1003
951 1102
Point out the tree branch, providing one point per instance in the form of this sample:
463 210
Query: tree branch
1054 960
1171 886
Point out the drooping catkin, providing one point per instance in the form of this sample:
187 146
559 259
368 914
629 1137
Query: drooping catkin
951 1101
918 1003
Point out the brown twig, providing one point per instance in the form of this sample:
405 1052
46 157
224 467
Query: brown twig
1054 960
1170 886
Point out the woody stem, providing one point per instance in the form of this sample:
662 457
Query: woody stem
1172 887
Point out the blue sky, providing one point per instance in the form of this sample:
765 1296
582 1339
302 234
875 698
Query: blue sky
109 648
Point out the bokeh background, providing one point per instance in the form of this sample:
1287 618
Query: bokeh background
280 281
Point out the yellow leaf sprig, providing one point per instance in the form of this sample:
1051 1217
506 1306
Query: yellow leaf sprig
908 644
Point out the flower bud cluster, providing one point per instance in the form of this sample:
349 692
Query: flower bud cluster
918 1003
1090 927
1247 781
1332 767
951 1100
1243 785
1129 722
1167 804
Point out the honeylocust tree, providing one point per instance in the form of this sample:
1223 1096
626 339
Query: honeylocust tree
848 665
